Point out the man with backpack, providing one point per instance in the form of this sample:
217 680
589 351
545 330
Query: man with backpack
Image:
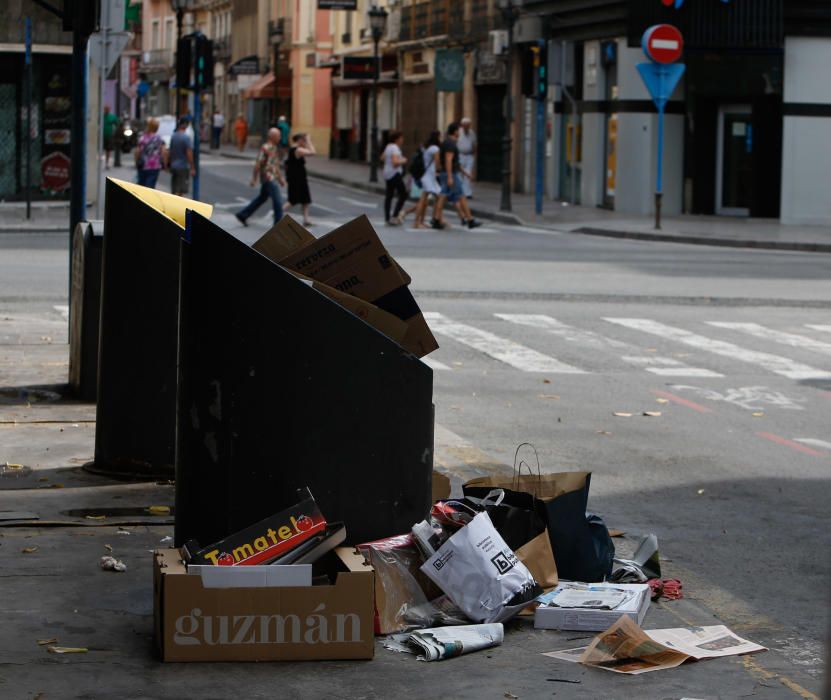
450 180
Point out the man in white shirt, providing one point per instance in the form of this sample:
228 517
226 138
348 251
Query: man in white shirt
467 155
218 125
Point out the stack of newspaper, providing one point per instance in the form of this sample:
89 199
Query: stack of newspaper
591 607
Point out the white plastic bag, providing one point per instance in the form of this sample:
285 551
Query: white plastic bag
480 573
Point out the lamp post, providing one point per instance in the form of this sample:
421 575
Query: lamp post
509 15
179 7
275 34
377 22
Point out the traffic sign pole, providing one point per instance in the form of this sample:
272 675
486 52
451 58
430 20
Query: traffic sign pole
662 45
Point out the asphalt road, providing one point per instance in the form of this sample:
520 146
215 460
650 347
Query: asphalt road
546 336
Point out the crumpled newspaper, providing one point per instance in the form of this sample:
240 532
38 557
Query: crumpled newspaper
109 563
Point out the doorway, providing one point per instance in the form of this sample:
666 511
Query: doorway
734 160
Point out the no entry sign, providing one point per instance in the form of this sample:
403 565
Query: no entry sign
662 43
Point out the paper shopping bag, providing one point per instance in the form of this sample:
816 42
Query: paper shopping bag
583 549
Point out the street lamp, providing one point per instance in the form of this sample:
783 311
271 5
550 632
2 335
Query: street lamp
276 35
509 15
179 7
377 22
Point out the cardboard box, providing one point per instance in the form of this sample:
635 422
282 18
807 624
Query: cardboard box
587 620
195 623
352 261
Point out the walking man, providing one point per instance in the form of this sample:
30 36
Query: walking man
180 160
267 169
108 127
217 126
450 180
467 156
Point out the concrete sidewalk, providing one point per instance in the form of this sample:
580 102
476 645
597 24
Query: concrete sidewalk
703 230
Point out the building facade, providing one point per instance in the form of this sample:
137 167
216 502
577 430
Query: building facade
48 140
747 130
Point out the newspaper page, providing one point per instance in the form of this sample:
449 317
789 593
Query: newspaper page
437 643
704 642
626 648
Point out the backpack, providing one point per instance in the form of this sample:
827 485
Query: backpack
417 168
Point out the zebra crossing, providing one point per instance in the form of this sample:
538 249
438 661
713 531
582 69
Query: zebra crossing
556 343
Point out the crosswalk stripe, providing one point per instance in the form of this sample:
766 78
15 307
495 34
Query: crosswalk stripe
815 442
824 327
667 367
501 349
774 363
434 364
664 366
793 339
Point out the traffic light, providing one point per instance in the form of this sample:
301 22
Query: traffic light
203 67
540 65
183 62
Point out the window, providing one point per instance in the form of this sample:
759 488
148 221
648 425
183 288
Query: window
154 35
168 33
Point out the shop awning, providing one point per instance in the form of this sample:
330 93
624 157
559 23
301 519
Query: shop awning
263 89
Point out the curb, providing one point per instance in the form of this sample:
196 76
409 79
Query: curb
704 240
46 228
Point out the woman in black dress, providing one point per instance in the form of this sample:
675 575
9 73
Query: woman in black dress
296 174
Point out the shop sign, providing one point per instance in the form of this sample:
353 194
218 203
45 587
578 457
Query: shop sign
54 172
450 70
359 67
250 65
337 4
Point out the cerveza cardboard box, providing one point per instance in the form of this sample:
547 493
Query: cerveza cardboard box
195 623
352 260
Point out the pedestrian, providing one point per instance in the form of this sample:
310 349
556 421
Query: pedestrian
180 159
150 155
218 126
429 180
467 155
394 160
241 131
108 127
450 179
296 174
285 129
267 170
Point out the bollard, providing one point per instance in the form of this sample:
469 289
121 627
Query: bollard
136 412
84 309
280 388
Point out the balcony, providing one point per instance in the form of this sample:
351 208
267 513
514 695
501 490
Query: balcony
157 59
437 18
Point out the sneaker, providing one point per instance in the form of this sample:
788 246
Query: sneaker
473 223
435 223
241 220
393 222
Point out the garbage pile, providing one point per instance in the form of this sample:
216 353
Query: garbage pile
286 587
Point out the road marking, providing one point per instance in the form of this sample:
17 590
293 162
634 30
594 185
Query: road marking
683 402
793 339
774 363
328 210
747 397
752 667
501 349
824 444
62 309
359 202
434 364
667 367
664 366
779 440
242 200
825 328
